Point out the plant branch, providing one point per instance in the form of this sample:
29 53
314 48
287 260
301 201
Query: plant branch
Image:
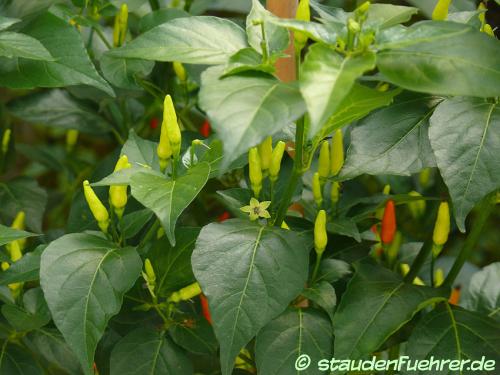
419 261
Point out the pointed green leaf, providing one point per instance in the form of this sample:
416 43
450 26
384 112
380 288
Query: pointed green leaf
393 140
192 40
123 72
294 333
465 137
32 315
20 45
145 351
242 268
84 278
242 107
8 234
169 198
15 361
443 58
483 293
375 305
326 79
323 294
197 339
454 334
25 269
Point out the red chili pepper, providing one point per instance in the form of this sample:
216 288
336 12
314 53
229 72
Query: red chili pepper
455 296
223 216
94 367
205 309
205 129
388 222
154 122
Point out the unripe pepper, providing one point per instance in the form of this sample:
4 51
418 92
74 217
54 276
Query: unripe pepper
171 126
337 153
324 160
405 268
425 177
275 165
482 16
6 140
180 71
488 30
417 207
335 192
440 12
71 139
19 224
186 293
96 207
118 193
320 235
388 223
265 153
316 189
438 277
120 27
442 226
149 271
303 14
205 309
255 171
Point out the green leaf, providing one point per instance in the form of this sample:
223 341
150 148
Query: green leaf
199 339
84 278
20 45
344 227
454 334
360 101
443 58
32 315
172 264
160 16
23 194
383 16
375 305
249 273
277 38
123 72
326 79
15 361
25 269
332 270
393 140
8 234
294 333
318 32
145 351
483 294
241 108
169 198
50 344
72 65
58 108
244 60
465 137
134 222
6 22
192 40
323 294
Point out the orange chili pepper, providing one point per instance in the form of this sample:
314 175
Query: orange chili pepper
205 129
388 223
455 296
223 216
204 308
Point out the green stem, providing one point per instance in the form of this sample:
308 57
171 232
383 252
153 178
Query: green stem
150 233
154 4
316 268
103 37
263 44
484 211
419 261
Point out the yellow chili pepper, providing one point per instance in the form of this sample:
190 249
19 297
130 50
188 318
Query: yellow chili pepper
180 71
303 14
320 235
265 153
120 26
417 208
186 293
19 224
118 193
482 16
442 226
255 171
405 268
316 189
71 139
335 192
275 165
96 207
488 30
438 277
6 140
440 12
337 153
172 126
425 177
324 160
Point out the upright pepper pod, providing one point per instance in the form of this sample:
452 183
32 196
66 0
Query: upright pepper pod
388 223
19 224
424 177
303 14
265 153
179 71
275 165
96 207
441 228
438 277
118 193
71 139
205 309
255 171
320 235
186 293
335 192
440 12
417 207
337 153
482 15
120 26
6 140
316 189
171 126
324 160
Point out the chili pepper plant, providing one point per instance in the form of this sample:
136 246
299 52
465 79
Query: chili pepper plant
196 187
